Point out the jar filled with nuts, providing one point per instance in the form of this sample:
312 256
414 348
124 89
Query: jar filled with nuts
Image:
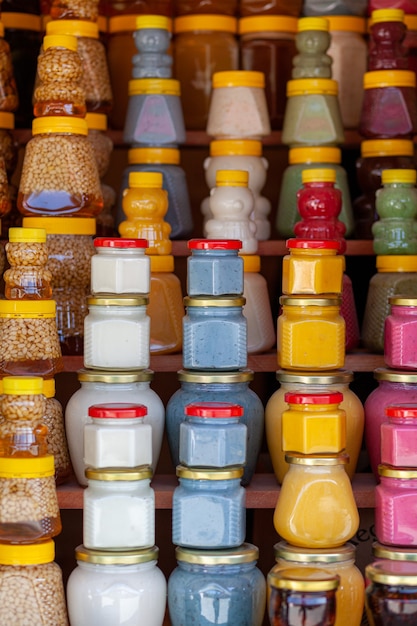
74 10
22 408
9 100
60 71
70 248
29 507
29 343
59 172
27 254
96 80
31 585
8 146
56 440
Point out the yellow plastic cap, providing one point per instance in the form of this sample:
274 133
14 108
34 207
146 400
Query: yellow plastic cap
238 78
96 121
145 180
389 78
312 23
78 28
6 120
408 177
22 385
318 175
27 554
60 41
410 21
315 154
301 86
268 23
59 124
169 156
187 23
396 263
235 147
27 308
251 262
162 262
166 86
48 388
33 467
152 21
232 178
21 21
386 15
62 225
384 147
27 235
348 23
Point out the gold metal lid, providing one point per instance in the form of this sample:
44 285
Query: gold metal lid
395 376
303 579
188 376
119 301
317 459
402 301
393 573
209 474
215 302
284 550
117 474
315 378
246 553
128 557
310 301
393 553
388 471
109 376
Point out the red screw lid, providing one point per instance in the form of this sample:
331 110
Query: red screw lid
294 397
214 409
314 244
214 244
117 410
119 242
401 410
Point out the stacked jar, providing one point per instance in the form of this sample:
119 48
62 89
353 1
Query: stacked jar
209 519
64 199
30 515
389 111
154 119
145 204
215 343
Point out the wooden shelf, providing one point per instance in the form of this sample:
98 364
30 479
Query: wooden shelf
262 493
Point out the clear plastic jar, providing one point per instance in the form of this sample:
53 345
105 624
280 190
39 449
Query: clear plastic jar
203 580
31 581
204 44
313 267
72 185
70 248
391 595
29 508
400 334
95 81
395 502
9 99
20 319
214 334
74 10
8 145
208 509
214 267
116 436
120 266
317 484
350 594
212 436
238 108
110 386
119 509
116 333
311 334
102 144
56 440
27 254
108 588
399 435
314 382
218 387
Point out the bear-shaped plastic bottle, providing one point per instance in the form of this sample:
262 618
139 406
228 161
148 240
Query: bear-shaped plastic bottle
152 39
312 41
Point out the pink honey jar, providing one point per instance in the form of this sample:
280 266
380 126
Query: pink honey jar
396 506
399 436
400 333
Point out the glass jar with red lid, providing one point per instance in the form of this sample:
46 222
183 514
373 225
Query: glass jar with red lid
312 267
400 333
399 435
120 266
214 267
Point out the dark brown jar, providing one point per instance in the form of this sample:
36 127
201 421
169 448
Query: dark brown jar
270 7
391 597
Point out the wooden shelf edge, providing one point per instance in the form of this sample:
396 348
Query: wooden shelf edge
262 493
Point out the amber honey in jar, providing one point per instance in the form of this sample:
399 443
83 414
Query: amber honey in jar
27 254
391 597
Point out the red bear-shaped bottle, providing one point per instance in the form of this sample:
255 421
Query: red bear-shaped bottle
387 33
